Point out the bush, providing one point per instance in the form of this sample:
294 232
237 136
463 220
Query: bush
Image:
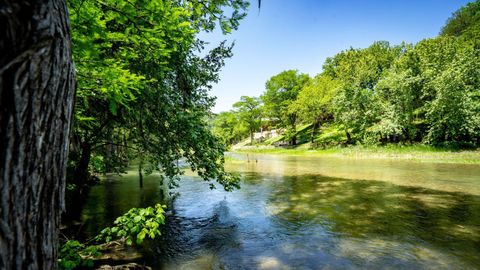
74 254
135 225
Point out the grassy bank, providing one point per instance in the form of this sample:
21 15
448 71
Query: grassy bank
420 153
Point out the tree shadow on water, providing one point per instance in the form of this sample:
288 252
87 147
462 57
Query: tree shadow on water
363 209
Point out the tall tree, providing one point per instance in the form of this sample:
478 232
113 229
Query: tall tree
400 91
357 105
140 75
250 113
314 102
432 92
281 91
450 90
36 100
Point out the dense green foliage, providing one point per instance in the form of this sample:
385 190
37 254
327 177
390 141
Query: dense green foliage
281 91
357 106
228 127
427 92
135 225
143 82
465 22
250 113
314 103
74 254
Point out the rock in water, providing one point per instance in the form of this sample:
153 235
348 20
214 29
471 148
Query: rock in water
128 266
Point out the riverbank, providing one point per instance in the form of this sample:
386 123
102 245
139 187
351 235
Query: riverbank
418 153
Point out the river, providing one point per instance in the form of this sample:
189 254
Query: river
309 213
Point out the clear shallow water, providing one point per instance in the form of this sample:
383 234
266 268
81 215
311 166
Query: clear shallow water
310 213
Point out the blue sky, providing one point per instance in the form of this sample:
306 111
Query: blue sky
301 34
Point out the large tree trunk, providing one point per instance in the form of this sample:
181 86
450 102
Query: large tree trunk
349 137
36 99
315 126
293 123
293 141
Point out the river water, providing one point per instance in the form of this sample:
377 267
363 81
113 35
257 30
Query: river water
309 213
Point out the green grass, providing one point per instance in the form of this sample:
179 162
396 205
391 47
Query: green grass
328 135
273 140
420 153
303 134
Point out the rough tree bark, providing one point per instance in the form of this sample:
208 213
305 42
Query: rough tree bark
36 99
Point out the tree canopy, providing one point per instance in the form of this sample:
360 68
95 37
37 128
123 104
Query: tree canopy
143 86
464 22
281 91
250 113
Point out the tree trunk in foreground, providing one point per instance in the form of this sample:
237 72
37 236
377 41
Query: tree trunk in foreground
36 99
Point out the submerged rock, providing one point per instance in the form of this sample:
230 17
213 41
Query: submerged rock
115 255
118 251
128 266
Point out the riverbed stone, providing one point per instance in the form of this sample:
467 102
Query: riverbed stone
128 266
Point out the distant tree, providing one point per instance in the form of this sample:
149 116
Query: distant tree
451 89
228 127
281 91
400 93
464 22
37 83
314 102
250 113
431 93
357 105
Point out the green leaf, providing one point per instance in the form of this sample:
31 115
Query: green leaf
113 107
129 241
141 235
137 219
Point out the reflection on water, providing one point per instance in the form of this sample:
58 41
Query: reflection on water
311 213
447 177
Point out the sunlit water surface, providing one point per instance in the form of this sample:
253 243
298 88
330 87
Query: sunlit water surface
309 213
